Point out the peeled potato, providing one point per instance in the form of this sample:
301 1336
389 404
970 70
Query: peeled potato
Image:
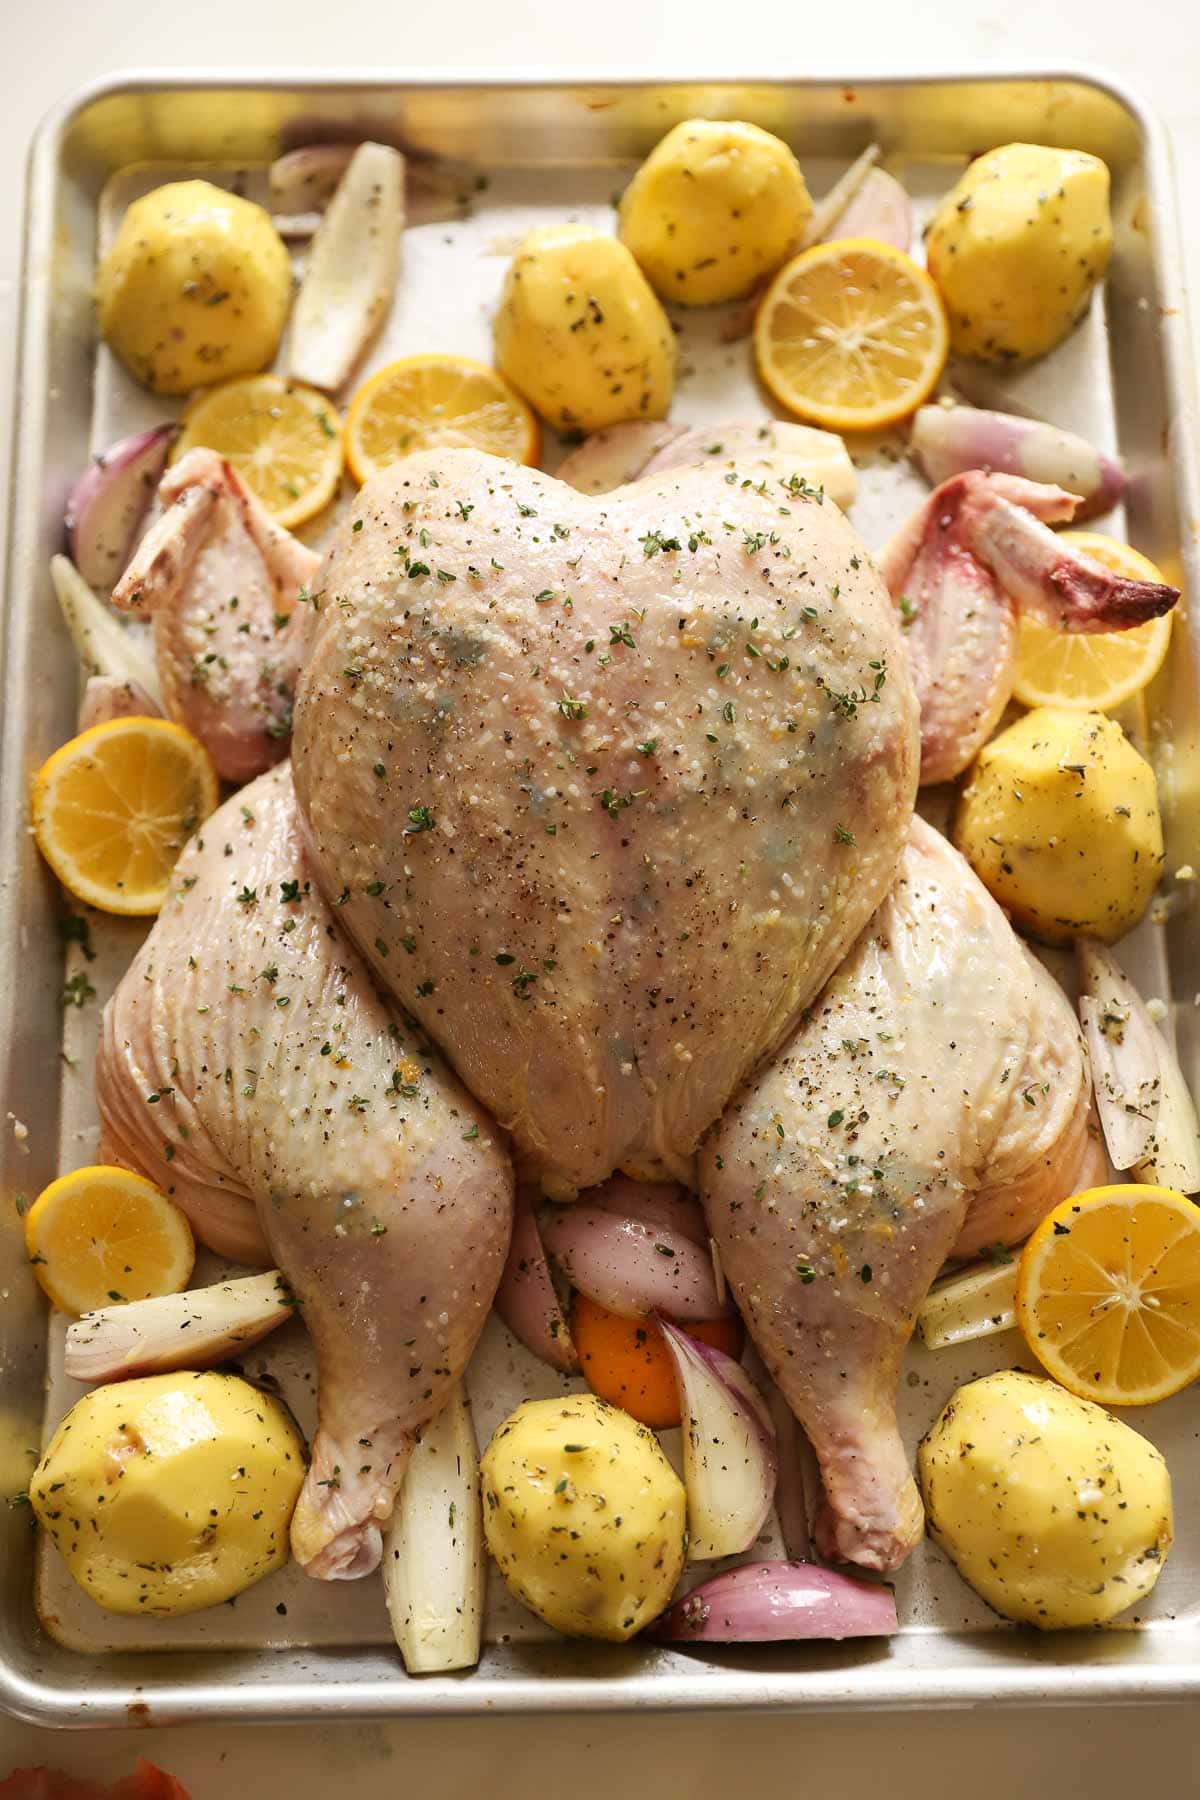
1017 247
715 206
195 288
580 332
584 1515
170 1493
1056 1513
1060 821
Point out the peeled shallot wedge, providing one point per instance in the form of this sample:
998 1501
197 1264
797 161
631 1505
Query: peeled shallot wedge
777 1602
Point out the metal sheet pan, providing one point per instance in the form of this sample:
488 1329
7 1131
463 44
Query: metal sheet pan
559 144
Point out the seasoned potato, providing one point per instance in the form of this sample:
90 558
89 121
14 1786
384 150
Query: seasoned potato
1017 247
715 207
584 1515
1053 1511
580 332
170 1493
1060 821
195 289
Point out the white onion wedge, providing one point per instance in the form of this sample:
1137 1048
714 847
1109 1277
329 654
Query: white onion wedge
827 211
729 1464
193 1330
105 646
1146 1111
434 1567
109 501
351 275
973 1303
303 181
778 1602
608 459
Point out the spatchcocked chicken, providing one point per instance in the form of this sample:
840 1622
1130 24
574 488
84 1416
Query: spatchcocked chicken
614 795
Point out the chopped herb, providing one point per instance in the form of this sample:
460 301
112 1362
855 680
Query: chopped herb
75 929
78 991
842 835
419 819
648 748
835 1119
806 1272
572 709
621 634
653 542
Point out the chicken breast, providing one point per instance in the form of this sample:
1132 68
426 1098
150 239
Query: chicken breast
604 787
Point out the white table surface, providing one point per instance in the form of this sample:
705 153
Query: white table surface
50 48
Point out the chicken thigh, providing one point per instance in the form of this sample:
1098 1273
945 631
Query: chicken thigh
247 1057
935 1099
976 554
222 582
604 788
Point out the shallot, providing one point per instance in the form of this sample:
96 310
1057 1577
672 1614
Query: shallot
729 1464
880 210
1146 1111
828 211
632 1268
946 440
778 1602
608 459
109 501
525 1298
303 181
348 285
434 1566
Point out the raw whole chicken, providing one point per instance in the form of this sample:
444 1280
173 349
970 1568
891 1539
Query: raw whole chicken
608 786
247 1058
977 553
222 582
935 1101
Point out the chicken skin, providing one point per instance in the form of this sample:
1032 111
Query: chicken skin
604 787
973 557
247 1058
934 1100
222 582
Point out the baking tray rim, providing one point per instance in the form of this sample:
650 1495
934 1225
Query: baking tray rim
1028 1670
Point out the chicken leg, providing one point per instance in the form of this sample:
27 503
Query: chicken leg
223 583
939 1079
977 553
246 1055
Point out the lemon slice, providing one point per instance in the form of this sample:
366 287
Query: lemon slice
102 1235
1097 670
114 807
436 402
1108 1294
284 440
851 335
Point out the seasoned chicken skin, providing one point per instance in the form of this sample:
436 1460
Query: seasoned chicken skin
935 1100
223 584
247 1056
607 785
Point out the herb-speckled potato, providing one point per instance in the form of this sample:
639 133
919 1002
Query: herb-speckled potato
715 207
170 1493
1060 821
584 1515
1053 1511
580 331
1017 247
195 288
